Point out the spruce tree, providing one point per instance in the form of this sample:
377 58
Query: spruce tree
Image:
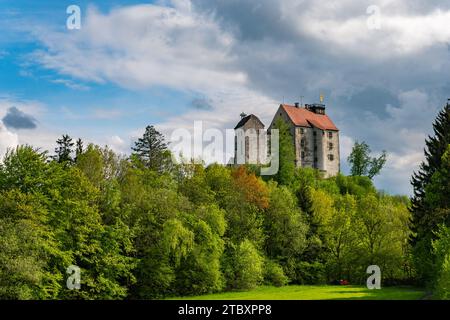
64 149
79 148
152 149
425 218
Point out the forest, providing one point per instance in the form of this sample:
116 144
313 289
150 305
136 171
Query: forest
147 227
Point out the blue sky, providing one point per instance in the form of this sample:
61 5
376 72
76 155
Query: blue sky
173 62
85 106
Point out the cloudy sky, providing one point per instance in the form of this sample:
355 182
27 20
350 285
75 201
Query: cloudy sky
384 67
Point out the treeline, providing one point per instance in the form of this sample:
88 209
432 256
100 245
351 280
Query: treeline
145 227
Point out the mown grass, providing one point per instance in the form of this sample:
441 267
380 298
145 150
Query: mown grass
296 292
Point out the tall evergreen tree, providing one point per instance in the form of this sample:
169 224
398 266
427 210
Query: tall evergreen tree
425 219
79 148
64 149
152 150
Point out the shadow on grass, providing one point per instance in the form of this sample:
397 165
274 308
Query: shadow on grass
382 294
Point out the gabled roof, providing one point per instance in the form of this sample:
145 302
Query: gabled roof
304 118
245 119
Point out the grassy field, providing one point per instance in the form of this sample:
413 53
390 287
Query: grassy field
316 293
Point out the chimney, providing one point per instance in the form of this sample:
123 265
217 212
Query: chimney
297 105
243 115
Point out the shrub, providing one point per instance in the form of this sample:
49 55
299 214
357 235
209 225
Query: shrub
443 282
310 272
248 266
274 275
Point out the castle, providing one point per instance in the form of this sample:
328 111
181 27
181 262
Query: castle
315 137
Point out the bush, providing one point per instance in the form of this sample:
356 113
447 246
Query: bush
443 282
274 275
441 248
310 272
248 266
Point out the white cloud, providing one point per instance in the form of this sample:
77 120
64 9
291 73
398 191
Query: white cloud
151 45
402 135
117 144
344 25
141 46
8 139
71 84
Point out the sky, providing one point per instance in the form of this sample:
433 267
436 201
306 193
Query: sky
383 67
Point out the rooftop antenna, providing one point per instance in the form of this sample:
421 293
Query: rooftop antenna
301 101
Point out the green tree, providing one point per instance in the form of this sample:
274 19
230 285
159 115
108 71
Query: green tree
286 169
285 228
79 148
362 164
441 249
28 249
63 152
248 266
152 150
426 209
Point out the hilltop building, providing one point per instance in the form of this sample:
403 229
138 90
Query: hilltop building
315 137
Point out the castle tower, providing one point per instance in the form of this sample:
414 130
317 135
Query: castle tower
248 141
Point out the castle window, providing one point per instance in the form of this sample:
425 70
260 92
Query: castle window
302 131
315 147
314 133
330 157
330 134
303 154
302 142
330 146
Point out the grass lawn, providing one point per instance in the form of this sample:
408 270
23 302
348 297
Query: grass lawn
316 293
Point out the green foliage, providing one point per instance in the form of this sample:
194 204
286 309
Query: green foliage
286 169
285 227
152 150
248 266
274 275
443 281
63 152
430 204
362 164
141 228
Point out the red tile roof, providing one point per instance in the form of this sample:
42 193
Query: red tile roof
305 118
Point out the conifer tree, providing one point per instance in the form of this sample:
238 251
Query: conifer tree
152 150
79 148
425 217
64 149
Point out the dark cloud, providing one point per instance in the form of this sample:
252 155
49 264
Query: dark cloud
374 92
17 119
201 104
